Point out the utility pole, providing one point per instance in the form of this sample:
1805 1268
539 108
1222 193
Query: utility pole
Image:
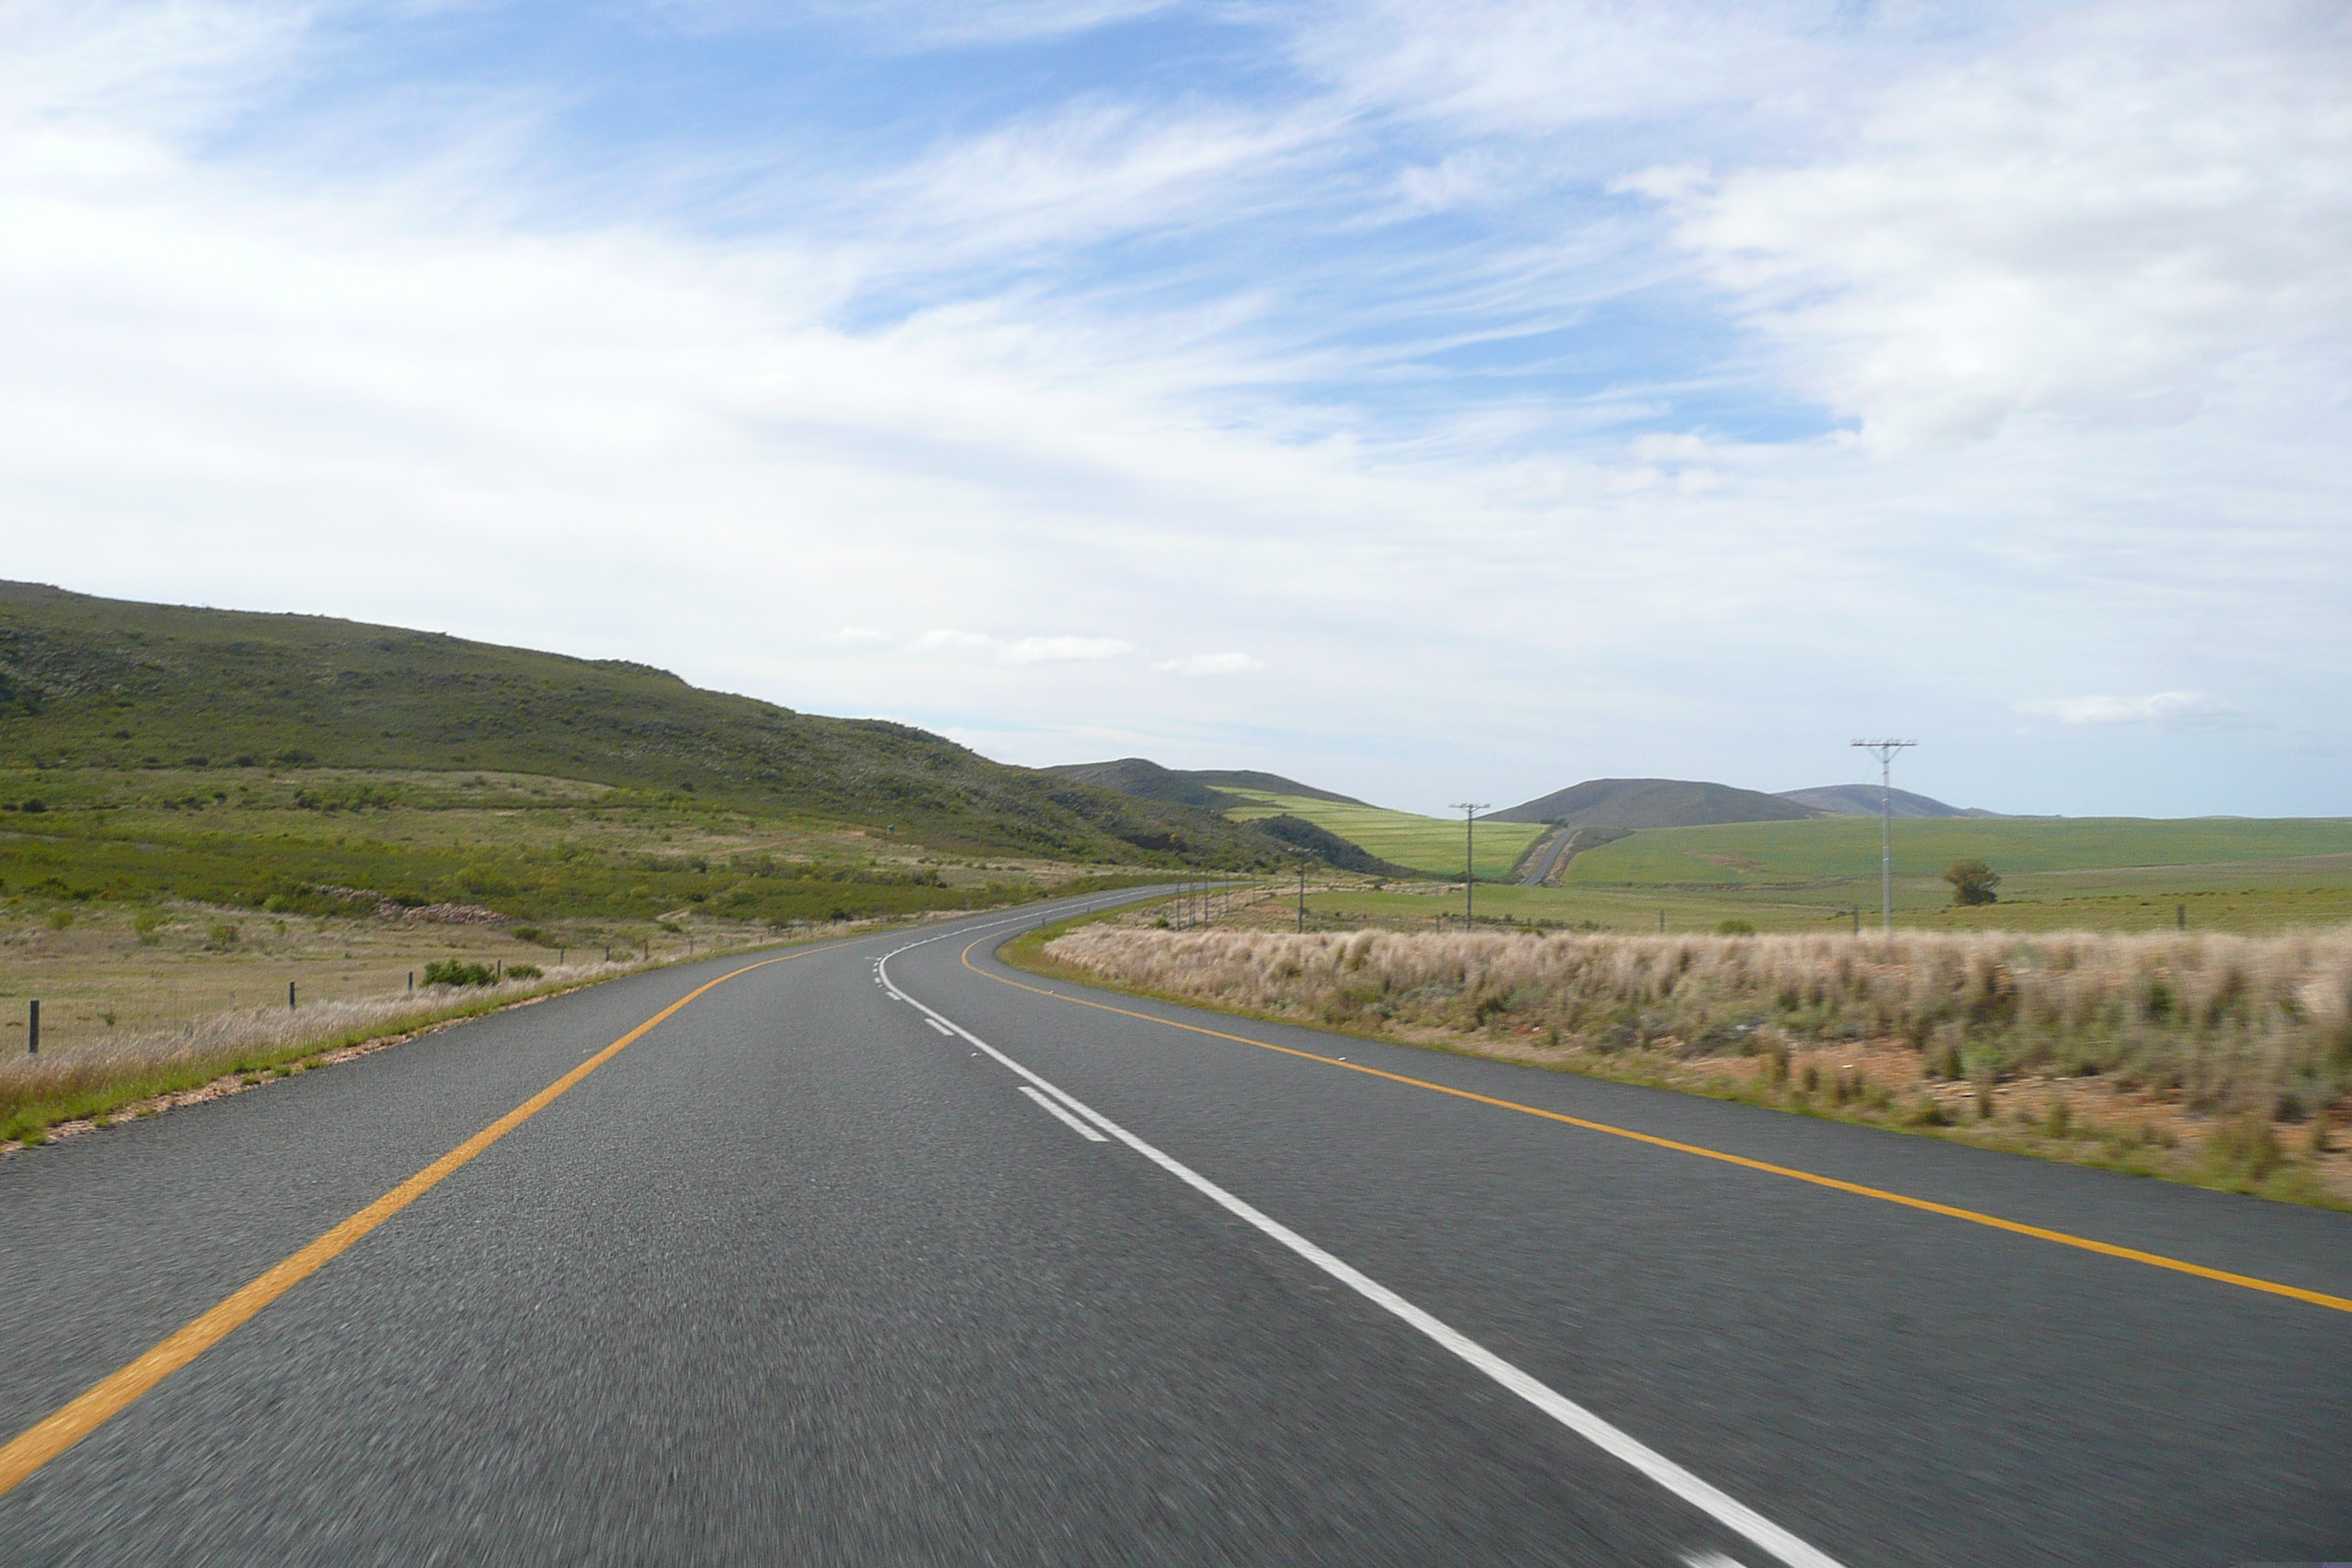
1469 810
1885 751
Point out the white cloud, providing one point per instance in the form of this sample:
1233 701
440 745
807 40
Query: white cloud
2164 709
233 383
2102 220
925 24
940 638
1063 651
1209 664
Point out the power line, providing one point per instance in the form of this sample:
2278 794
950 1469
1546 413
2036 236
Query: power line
1885 751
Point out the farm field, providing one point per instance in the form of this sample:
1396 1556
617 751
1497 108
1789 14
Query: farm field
1833 848
2109 874
1430 844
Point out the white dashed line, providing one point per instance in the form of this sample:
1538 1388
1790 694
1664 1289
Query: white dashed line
1072 1122
1716 1504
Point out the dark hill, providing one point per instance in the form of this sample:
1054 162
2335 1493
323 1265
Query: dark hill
1205 787
1861 800
1328 846
87 682
1653 802
1146 780
1272 784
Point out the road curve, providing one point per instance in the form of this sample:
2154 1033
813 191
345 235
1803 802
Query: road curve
887 1253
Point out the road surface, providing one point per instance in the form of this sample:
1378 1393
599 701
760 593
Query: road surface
883 1253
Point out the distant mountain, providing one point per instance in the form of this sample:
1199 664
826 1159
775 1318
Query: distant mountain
1861 800
1205 788
1653 802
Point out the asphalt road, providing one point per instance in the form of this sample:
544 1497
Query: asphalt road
821 1269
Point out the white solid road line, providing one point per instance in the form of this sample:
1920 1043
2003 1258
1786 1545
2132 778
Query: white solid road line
1072 1122
1720 1506
942 1028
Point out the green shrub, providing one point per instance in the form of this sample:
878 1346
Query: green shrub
457 971
1735 928
2246 1146
522 972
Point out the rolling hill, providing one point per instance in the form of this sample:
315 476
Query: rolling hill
1861 800
1652 802
1210 789
89 682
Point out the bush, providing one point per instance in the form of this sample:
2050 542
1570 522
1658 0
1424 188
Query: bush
1735 928
457 971
1973 882
2246 1146
522 972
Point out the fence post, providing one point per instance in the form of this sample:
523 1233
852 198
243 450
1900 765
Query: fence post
412 982
33 1034
289 997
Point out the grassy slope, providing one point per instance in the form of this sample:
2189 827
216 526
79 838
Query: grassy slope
88 682
1428 844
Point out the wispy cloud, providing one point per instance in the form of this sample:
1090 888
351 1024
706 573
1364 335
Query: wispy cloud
2164 709
1065 650
1201 664
1023 650
1942 366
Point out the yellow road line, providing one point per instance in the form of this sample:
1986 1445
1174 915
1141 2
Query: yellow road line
2108 1248
113 1394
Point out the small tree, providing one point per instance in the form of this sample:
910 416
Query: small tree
1973 882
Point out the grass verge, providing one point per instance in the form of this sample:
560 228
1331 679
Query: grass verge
1886 1083
42 1096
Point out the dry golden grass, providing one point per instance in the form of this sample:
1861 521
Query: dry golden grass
39 1093
2151 1051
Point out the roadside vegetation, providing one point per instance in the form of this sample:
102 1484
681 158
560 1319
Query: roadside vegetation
2221 1059
134 1073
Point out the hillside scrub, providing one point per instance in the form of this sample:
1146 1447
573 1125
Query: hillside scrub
2226 1025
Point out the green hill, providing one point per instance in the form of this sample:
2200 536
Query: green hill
91 683
1211 789
1652 802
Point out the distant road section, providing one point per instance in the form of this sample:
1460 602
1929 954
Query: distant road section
1545 858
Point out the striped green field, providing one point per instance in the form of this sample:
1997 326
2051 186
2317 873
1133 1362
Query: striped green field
1430 844
2099 874
1757 854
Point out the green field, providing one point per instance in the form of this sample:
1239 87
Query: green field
1753 854
1430 844
2106 874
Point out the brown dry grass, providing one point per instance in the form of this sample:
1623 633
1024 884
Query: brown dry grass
2208 1056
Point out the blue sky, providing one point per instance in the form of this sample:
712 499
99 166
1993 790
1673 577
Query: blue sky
1423 400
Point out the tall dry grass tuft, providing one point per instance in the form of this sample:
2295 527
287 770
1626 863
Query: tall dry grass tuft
40 1091
2242 1024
